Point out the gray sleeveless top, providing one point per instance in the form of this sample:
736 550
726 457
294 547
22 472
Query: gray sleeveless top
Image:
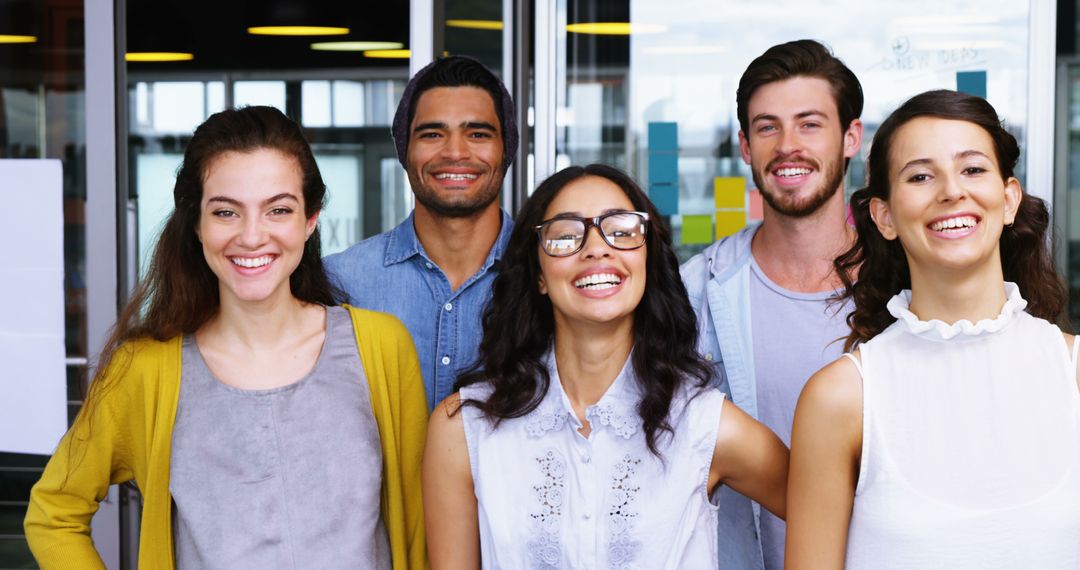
282 478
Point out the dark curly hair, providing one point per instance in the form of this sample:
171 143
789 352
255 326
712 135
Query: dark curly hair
880 265
519 324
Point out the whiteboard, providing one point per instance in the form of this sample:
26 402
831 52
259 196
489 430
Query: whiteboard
33 388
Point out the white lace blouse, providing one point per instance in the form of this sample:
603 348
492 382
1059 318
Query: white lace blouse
971 445
549 497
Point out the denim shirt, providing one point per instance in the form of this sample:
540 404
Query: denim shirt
718 283
392 273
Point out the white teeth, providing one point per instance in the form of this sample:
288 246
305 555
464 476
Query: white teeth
785 172
455 177
959 222
598 281
251 262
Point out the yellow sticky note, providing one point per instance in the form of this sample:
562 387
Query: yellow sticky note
729 192
729 222
697 229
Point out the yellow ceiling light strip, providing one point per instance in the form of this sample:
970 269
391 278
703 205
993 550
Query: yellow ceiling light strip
297 31
355 46
475 24
15 39
387 53
156 56
614 28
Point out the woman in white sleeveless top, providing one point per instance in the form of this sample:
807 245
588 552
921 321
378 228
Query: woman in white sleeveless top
588 436
950 436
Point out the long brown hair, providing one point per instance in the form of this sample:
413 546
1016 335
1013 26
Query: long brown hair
180 292
881 266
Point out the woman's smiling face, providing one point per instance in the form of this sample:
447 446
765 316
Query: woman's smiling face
252 225
948 202
599 283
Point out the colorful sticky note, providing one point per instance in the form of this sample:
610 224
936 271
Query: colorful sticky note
665 197
663 168
754 198
697 229
663 136
729 221
729 192
971 82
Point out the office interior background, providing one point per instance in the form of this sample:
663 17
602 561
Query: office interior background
114 88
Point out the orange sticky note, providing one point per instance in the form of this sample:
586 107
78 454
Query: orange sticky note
729 221
729 192
755 204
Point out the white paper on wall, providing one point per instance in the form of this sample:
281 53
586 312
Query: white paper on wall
33 391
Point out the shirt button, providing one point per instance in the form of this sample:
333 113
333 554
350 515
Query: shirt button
448 306
708 357
585 458
428 264
446 360
586 516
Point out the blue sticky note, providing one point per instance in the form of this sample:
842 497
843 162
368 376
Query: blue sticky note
663 136
665 197
971 82
663 168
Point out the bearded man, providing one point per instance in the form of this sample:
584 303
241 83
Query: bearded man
455 134
762 296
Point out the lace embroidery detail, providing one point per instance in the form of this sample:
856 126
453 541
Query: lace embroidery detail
543 422
622 548
625 425
545 552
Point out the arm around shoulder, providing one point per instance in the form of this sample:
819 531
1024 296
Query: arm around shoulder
826 444
452 520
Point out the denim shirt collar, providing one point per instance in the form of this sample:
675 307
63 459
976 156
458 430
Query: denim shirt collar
403 243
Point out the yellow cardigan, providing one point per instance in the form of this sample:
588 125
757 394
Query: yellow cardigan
128 436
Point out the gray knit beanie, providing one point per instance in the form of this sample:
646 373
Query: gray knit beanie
455 71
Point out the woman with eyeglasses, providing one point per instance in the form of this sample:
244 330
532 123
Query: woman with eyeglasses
587 434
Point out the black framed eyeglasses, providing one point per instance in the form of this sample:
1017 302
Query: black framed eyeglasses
566 235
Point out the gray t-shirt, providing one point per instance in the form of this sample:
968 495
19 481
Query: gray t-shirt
794 335
283 478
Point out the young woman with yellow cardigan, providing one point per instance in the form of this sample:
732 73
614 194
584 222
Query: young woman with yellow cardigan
232 392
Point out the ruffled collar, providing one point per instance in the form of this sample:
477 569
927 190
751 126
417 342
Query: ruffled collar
616 410
939 330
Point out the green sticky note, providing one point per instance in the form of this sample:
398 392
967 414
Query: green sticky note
729 192
729 221
697 229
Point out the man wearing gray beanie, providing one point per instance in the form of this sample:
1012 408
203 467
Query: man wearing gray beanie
455 135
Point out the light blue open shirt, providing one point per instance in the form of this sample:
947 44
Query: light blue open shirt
718 282
392 273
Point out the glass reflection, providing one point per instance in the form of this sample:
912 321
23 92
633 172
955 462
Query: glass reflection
682 60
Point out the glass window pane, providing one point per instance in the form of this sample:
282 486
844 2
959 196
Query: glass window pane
315 103
215 97
270 93
348 104
674 67
177 107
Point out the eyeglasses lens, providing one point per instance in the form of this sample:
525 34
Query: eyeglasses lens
563 237
624 231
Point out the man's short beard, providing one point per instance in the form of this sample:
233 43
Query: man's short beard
833 177
456 208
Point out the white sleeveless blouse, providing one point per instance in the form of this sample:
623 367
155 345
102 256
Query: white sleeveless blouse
549 497
971 445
